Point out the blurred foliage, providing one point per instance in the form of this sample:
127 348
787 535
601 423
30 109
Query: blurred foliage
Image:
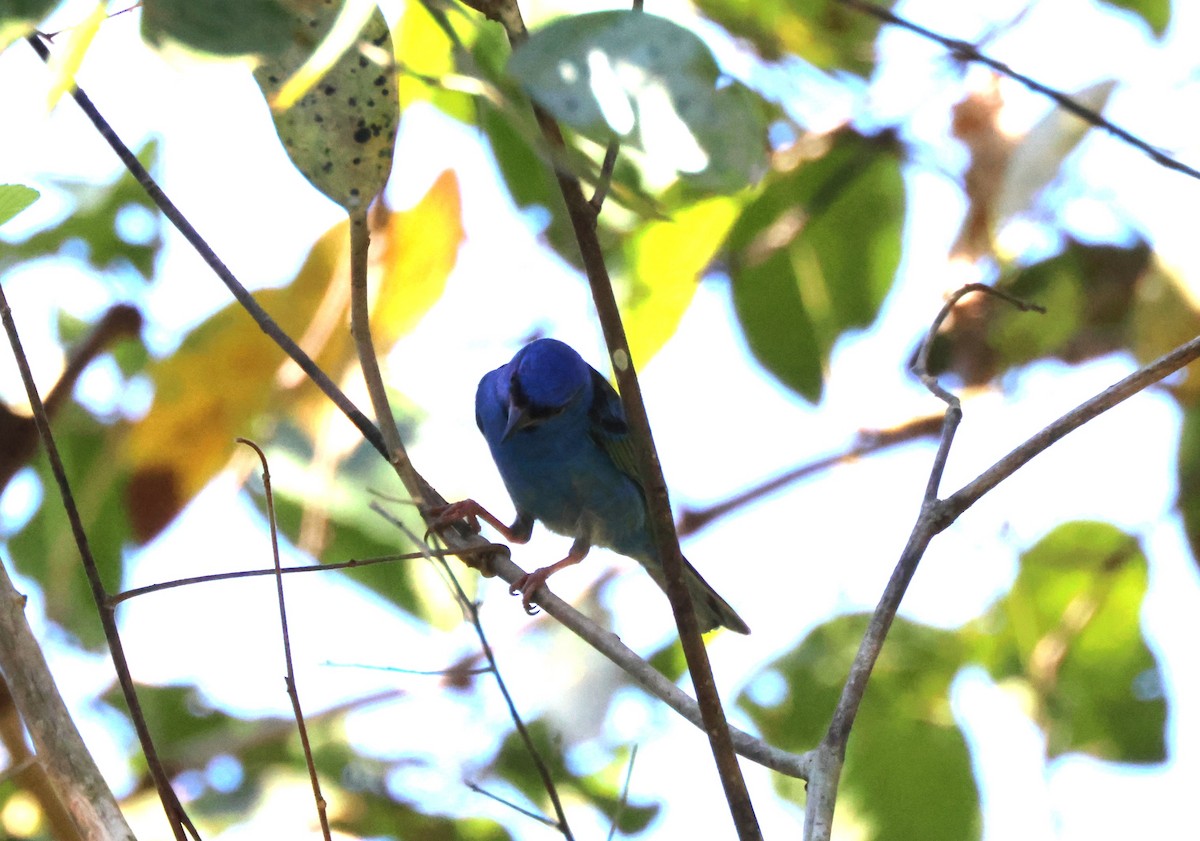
1065 639
92 231
808 231
815 253
1101 298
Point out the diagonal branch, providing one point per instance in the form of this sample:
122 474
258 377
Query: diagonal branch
176 815
967 51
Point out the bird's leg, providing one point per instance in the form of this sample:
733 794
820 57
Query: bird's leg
527 585
473 512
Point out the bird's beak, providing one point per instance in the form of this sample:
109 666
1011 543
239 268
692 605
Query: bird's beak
517 420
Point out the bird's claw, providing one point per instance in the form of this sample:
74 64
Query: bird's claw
526 586
444 516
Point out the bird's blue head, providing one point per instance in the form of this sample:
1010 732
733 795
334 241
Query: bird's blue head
545 378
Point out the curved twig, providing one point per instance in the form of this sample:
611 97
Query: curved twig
290 678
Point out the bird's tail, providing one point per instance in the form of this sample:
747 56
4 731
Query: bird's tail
712 611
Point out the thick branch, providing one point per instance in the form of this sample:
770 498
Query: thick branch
60 748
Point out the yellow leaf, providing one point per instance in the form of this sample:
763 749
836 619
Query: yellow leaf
227 374
65 63
666 259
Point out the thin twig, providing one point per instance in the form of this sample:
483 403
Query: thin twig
360 329
176 816
692 520
124 595
616 821
450 672
606 174
471 611
290 678
529 813
1138 381
966 51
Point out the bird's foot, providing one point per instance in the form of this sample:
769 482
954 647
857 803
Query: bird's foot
472 512
527 585
443 516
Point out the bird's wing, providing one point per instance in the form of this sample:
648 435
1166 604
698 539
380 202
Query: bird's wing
609 428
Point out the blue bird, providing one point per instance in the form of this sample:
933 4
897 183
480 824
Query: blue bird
558 435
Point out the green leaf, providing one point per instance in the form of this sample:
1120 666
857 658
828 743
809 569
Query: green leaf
653 84
815 255
602 790
220 27
825 33
1068 634
45 549
904 723
1188 500
14 198
1156 13
341 134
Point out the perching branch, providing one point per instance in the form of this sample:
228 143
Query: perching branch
662 525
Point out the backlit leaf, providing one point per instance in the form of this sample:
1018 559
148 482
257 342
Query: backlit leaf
1069 634
654 85
14 198
341 134
666 259
815 255
217 385
904 723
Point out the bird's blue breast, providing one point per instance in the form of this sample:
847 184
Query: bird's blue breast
557 473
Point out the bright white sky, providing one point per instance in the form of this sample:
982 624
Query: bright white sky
222 164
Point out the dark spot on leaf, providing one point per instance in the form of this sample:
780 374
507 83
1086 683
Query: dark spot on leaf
362 135
356 161
274 80
330 90
352 101
317 118
354 191
380 81
327 166
362 61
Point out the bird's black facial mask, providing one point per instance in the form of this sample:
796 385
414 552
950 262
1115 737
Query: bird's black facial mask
524 414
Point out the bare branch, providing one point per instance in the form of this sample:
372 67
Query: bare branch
965 51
